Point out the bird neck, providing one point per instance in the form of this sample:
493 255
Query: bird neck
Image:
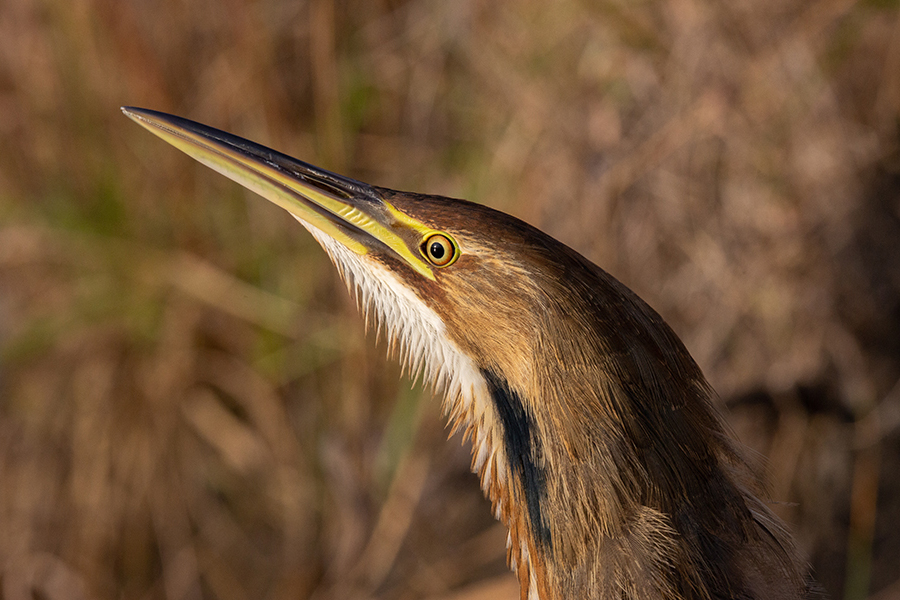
618 501
608 463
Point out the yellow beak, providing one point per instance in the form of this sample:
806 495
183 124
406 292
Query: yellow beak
350 211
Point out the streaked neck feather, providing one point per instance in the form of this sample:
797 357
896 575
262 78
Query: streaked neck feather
418 338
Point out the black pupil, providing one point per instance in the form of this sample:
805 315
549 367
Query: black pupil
437 250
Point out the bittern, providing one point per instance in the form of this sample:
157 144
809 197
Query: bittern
593 431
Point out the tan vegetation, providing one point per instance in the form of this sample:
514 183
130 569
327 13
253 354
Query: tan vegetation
188 406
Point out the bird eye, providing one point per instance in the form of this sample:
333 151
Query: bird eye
439 250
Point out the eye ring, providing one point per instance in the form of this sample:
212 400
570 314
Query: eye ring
439 249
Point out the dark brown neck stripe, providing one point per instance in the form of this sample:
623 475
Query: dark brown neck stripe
522 448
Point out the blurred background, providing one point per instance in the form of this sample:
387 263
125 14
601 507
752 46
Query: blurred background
188 405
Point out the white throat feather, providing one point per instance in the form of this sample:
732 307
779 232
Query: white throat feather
416 336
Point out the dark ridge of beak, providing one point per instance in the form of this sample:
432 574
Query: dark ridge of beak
191 131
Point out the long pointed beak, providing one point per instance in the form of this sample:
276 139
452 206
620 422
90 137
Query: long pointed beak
350 211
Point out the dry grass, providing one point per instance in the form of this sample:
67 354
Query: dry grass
188 406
